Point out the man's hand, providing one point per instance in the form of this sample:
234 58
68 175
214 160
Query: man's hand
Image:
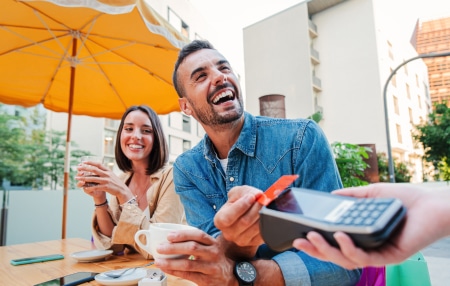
203 261
238 219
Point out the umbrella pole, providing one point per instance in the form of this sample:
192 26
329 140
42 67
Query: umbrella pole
69 125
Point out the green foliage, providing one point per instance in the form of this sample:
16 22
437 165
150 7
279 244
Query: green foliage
435 138
12 149
350 161
402 171
32 157
316 117
383 167
444 170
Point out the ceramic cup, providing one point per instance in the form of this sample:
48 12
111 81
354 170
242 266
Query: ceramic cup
96 159
157 234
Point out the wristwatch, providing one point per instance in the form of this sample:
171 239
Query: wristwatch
245 273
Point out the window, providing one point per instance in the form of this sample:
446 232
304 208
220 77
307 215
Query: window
186 145
393 79
186 123
175 120
178 145
408 93
180 121
399 133
396 108
411 117
177 23
112 124
200 131
108 142
391 55
419 101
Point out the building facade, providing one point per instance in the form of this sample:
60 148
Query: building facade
433 36
333 58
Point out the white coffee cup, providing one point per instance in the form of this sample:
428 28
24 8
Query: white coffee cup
157 234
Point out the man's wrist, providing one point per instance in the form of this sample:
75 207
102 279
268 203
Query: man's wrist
269 272
234 251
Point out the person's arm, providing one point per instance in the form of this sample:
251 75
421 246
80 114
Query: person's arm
162 199
106 182
210 265
199 204
427 219
165 205
315 163
238 221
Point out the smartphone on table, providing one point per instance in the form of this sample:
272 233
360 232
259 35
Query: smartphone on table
70 280
296 211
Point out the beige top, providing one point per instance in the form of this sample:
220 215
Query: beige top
164 206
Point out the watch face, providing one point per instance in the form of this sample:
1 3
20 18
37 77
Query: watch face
246 271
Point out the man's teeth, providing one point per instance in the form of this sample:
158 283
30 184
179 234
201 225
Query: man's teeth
135 146
224 94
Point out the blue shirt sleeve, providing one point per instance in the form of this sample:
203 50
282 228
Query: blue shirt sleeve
298 268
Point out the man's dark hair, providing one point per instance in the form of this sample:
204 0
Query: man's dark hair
159 154
190 48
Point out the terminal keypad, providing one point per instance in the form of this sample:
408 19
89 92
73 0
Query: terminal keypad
364 212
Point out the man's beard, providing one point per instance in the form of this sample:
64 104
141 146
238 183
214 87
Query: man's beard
209 117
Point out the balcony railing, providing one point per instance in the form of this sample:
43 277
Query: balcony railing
317 83
312 29
315 59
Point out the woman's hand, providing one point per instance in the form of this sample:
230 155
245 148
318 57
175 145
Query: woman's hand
104 180
425 221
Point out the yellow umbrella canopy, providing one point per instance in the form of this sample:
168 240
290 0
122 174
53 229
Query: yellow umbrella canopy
111 55
96 60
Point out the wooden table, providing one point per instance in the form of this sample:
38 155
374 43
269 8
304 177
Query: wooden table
31 274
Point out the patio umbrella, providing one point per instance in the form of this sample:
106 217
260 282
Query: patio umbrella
97 59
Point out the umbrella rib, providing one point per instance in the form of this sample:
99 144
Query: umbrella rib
135 63
50 82
84 39
136 42
38 15
108 79
31 43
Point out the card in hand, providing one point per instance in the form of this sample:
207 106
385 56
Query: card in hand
273 191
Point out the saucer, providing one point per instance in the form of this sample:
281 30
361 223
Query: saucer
91 255
127 279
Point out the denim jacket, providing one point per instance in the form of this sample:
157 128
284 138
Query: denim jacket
266 149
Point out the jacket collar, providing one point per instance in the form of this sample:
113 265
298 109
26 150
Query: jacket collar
246 141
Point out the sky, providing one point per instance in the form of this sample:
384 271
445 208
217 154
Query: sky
228 18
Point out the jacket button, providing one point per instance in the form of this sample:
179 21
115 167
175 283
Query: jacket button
231 179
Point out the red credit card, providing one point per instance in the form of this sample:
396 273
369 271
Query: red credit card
273 191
